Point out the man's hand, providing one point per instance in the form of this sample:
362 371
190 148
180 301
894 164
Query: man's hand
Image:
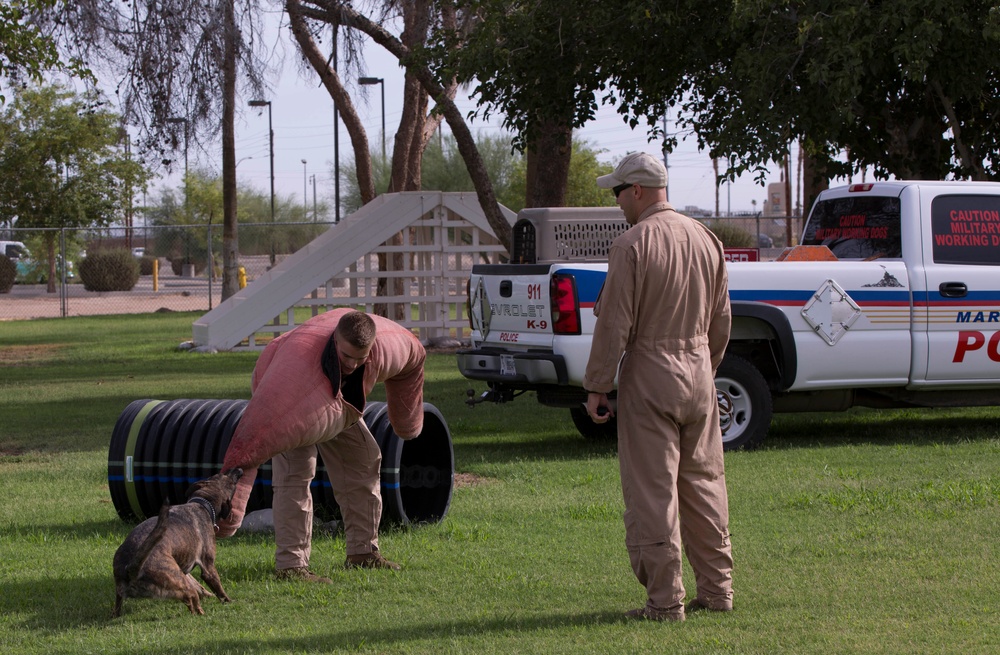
598 407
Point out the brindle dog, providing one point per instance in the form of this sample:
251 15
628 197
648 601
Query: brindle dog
157 557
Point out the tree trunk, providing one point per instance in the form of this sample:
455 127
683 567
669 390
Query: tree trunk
548 165
407 153
814 180
410 124
230 226
50 247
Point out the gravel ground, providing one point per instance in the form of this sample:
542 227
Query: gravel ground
179 295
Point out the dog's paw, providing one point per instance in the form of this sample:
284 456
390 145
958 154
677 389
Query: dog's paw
199 588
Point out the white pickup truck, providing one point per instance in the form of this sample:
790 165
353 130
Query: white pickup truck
891 300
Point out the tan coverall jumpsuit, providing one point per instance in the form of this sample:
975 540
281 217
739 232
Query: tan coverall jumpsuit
665 305
295 410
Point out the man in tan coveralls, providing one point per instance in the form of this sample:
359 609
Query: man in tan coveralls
665 307
309 392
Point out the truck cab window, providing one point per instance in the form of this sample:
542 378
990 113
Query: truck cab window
857 227
966 230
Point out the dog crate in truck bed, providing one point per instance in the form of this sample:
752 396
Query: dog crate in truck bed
544 235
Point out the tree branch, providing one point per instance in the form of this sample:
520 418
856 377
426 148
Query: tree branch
335 87
968 161
339 13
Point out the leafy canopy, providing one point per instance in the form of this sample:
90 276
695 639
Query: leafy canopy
908 88
62 163
25 51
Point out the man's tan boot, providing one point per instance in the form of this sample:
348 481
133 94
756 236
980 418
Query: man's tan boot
698 605
301 573
653 614
372 560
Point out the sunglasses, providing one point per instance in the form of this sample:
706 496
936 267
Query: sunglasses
621 187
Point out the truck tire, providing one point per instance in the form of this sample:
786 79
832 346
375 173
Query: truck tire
744 403
590 430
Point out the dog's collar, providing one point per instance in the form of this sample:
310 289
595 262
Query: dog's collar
208 506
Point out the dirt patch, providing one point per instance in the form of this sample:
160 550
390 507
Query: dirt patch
445 345
465 480
28 355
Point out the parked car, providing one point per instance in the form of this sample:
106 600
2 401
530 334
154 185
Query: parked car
32 271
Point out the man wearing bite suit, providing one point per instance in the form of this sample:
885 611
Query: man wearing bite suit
308 395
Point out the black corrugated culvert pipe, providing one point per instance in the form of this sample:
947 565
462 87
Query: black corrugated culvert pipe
160 447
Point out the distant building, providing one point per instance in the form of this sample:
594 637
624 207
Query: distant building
695 212
775 205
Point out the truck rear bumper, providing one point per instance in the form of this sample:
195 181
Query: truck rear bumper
512 368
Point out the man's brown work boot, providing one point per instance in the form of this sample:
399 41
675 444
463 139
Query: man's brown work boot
652 614
372 560
301 573
698 605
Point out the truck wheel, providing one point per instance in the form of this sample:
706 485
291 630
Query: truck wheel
590 430
744 403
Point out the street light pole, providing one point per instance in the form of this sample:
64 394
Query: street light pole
270 131
380 81
305 195
313 177
336 136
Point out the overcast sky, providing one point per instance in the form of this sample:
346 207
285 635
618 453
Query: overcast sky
302 115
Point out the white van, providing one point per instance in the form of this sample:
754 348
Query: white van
14 250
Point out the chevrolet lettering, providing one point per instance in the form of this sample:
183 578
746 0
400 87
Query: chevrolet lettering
505 309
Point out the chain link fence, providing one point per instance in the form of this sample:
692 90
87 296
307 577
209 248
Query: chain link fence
181 265
768 234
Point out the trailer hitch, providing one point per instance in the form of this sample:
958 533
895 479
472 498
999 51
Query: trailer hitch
493 395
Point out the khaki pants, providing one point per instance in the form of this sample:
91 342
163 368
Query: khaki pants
673 477
353 461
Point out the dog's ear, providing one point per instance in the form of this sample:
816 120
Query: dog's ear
226 509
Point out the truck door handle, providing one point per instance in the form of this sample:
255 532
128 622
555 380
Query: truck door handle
953 289
506 288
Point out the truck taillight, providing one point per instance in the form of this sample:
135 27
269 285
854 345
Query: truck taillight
565 307
867 186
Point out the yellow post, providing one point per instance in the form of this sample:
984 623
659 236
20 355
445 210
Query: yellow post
156 274
242 277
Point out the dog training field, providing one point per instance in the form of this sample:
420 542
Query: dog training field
864 532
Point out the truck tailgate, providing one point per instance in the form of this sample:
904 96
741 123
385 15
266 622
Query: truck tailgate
510 306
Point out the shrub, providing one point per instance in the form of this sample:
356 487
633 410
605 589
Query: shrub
110 270
732 236
146 265
177 263
8 272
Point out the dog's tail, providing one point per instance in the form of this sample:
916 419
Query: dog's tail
150 542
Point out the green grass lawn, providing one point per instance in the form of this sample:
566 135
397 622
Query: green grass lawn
862 532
